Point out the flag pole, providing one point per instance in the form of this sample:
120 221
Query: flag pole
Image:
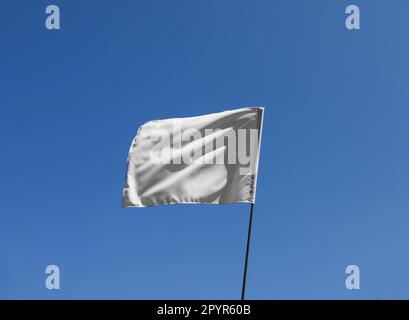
243 291
260 125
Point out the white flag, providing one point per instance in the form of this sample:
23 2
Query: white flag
204 159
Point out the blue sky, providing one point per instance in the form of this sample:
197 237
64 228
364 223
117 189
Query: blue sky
334 170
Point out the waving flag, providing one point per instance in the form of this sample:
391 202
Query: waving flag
205 159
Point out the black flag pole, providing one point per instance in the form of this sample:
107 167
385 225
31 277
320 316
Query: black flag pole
260 126
243 291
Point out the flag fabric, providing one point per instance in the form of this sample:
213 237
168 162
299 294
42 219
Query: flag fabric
204 159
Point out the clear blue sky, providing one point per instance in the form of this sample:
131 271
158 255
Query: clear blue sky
334 173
